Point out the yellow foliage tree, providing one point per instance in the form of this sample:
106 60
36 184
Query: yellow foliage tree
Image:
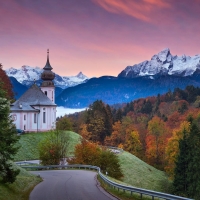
172 148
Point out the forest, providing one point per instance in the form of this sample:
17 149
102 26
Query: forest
161 130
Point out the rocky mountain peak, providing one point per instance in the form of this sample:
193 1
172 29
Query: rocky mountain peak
164 63
81 76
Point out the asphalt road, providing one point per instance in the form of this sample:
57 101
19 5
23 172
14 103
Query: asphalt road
68 185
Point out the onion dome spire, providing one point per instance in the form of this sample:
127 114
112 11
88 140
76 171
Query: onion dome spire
47 75
48 66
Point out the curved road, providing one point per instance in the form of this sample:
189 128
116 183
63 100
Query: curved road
68 185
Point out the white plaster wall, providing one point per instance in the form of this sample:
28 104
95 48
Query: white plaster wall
29 122
50 92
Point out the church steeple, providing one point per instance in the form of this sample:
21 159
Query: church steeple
47 76
48 66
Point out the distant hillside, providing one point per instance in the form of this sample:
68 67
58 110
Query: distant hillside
18 88
113 90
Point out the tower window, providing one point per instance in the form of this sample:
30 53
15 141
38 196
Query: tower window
44 117
45 92
24 117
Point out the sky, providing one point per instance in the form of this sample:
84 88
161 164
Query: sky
97 37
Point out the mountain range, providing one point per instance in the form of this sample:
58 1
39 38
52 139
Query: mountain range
162 73
164 63
26 75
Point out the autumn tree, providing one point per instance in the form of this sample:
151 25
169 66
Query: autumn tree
53 148
6 84
131 137
84 132
132 143
156 141
116 137
91 154
87 153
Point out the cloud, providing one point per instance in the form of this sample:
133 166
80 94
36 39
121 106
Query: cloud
138 9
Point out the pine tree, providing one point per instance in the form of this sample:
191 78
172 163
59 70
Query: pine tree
187 171
180 178
99 121
193 177
118 115
8 138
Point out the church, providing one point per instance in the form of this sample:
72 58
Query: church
35 110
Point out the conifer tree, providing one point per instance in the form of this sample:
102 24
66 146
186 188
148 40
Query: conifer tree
193 174
8 138
180 178
187 171
99 121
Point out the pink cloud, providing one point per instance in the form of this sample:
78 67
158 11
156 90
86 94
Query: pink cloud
139 9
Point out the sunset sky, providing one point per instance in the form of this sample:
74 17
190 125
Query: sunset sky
97 37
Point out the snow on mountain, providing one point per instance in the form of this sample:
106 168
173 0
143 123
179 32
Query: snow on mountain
164 63
26 75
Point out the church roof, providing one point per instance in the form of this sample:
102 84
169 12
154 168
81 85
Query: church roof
32 97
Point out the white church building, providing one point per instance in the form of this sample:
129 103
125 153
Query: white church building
35 110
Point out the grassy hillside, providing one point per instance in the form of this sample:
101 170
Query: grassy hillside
136 172
29 145
21 188
139 174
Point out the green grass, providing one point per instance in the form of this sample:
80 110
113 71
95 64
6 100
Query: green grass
21 188
139 174
29 145
123 195
136 172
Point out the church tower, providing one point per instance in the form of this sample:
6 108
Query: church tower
47 76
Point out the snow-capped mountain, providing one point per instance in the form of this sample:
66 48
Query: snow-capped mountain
164 63
26 75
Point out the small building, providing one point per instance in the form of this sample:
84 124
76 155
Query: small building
35 110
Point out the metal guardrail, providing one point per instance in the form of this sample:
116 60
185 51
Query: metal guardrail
131 189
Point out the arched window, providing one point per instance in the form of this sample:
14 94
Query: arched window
44 117
45 93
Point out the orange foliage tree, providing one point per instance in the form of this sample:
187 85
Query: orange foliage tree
7 86
84 132
156 141
86 153
116 137
91 154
